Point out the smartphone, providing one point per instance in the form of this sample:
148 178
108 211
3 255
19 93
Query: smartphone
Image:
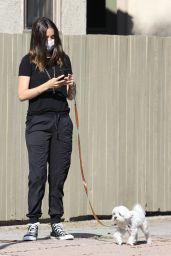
65 72
62 78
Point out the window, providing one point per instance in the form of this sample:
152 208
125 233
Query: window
37 8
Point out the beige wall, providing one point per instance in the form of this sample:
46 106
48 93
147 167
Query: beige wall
11 16
151 17
69 16
73 17
124 102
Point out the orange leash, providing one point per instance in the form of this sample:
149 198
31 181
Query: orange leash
81 168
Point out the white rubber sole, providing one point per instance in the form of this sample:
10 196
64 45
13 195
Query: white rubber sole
67 237
29 238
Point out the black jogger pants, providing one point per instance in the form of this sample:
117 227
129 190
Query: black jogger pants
49 140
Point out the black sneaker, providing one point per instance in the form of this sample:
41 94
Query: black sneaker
32 232
59 233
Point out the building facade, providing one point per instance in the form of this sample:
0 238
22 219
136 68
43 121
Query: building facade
146 17
69 15
80 17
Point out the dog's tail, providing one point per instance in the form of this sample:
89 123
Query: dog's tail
138 208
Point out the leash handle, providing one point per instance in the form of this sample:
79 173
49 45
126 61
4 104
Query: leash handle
81 167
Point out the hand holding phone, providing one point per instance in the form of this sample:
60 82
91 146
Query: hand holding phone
61 77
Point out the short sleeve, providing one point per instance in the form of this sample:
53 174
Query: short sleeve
25 67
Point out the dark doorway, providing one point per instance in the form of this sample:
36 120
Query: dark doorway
96 17
102 19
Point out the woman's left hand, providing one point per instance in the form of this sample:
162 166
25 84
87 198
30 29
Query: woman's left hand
69 81
71 86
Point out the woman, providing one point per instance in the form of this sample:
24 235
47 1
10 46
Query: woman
46 80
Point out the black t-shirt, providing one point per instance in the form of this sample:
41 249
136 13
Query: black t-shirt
48 100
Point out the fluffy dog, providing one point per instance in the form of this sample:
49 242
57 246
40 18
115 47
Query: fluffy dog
130 221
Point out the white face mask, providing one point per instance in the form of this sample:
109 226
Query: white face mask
50 44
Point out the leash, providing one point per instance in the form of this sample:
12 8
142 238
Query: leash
81 167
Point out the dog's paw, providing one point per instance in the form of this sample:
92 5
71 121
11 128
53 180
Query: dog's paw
149 241
118 239
118 243
130 243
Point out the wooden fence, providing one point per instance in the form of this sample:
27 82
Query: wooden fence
124 103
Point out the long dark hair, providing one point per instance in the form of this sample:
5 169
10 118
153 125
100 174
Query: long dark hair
38 51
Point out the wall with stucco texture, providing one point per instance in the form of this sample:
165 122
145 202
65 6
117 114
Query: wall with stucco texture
73 17
149 17
11 16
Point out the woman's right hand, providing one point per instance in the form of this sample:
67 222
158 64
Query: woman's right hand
24 93
56 82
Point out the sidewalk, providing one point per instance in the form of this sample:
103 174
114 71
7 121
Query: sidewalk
90 239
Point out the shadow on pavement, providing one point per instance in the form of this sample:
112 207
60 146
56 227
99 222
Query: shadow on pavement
137 243
141 242
84 235
7 243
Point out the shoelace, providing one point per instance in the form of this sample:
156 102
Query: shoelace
58 229
32 228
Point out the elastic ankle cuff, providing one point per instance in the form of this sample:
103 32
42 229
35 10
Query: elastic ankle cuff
33 220
55 220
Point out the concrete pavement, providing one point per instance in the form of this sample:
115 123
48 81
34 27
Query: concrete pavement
90 239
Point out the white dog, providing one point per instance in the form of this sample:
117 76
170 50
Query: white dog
130 221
